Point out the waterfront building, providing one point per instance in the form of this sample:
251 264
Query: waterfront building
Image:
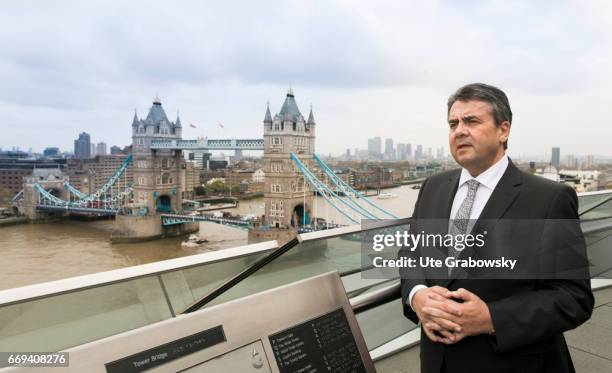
287 202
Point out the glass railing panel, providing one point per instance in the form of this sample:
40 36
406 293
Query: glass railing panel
70 319
599 253
377 332
307 259
606 275
303 261
588 201
602 211
355 284
184 287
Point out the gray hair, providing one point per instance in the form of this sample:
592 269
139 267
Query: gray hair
495 97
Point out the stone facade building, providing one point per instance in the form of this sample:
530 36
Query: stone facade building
15 166
287 203
157 172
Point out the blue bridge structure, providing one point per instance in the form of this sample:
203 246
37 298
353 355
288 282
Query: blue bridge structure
109 199
208 144
294 174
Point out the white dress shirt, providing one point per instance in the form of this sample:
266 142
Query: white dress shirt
488 181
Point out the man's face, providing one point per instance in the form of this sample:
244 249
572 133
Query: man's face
475 141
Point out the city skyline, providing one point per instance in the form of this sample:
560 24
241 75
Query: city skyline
564 158
90 79
373 151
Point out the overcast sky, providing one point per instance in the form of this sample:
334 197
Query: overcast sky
369 68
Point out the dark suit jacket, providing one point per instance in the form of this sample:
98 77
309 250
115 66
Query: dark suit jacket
529 315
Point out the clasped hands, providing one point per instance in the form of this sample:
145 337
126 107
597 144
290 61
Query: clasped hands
446 319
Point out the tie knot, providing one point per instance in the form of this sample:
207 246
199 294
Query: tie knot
472 185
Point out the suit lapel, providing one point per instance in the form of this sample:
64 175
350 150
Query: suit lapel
441 220
504 194
506 191
448 194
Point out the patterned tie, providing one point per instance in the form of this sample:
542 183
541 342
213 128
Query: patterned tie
460 223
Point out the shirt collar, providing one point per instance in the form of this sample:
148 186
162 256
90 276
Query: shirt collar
490 177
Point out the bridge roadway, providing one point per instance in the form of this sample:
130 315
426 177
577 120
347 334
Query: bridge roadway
91 210
172 219
209 144
167 219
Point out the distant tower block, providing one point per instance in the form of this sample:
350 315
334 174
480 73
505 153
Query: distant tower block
285 202
156 172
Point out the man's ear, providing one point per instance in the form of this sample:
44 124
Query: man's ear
505 131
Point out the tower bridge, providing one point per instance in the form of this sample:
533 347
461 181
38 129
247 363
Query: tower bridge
150 207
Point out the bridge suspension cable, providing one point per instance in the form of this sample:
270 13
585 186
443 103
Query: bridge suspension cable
344 207
108 185
339 184
74 191
18 196
99 201
346 189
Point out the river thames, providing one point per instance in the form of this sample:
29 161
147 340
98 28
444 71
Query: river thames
34 253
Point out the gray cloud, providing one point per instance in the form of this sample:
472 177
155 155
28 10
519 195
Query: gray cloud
380 68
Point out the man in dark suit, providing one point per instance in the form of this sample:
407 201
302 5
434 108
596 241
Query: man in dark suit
495 325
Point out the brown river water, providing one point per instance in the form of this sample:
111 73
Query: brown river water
34 253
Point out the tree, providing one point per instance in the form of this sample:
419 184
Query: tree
215 186
200 190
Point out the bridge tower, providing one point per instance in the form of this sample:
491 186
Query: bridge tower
288 202
157 177
157 172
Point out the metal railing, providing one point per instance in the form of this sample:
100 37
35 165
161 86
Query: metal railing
73 284
367 296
